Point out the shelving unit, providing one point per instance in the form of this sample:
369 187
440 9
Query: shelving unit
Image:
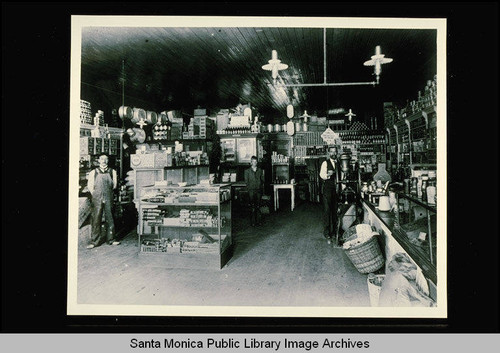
195 233
90 149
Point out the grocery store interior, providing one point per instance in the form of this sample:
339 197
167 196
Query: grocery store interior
274 165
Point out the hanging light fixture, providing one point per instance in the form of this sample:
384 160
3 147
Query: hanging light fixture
274 65
376 60
350 115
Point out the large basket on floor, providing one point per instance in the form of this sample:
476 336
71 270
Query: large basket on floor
366 256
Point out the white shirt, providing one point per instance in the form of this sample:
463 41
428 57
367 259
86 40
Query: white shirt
323 173
91 178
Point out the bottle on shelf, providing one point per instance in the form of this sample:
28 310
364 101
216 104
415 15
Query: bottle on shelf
431 188
425 179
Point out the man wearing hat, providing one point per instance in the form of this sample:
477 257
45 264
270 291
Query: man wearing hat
329 174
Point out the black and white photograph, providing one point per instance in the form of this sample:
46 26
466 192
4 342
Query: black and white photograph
258 166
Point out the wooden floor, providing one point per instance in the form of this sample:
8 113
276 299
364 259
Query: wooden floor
284 262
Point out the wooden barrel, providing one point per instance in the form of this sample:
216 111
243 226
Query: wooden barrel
125 113
139 114
151 117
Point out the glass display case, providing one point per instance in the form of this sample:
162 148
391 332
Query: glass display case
228 147
409 227
417 220
190 225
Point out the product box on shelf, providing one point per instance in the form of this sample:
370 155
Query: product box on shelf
114 146
198 112
105 145
87 145
98 145
158 159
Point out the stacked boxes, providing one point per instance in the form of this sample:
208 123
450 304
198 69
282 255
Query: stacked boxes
200 127
85 112
152 216
309 138
176 131
105 145
114 146
87 145
98 145
197 218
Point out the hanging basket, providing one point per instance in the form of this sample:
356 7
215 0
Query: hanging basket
366 256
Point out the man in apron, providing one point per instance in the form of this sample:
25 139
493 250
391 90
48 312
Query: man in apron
101 183
328 173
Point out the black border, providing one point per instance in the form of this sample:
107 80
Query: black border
35 127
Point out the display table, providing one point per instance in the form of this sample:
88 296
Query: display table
277 188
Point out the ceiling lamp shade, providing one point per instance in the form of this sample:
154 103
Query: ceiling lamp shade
377 60
274 65
350 115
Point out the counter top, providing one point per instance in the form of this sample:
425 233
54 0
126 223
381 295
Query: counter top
419 202
416 253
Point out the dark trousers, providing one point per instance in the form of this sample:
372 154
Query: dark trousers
98 209
329 212
254 199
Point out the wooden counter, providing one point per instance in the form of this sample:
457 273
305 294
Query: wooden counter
395 240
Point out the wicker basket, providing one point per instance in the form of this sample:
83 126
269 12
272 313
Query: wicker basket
366 256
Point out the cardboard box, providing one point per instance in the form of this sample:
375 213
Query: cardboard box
198 112
87 145
98 145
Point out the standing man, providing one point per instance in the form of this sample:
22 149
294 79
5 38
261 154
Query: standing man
254 178
328 173
101 183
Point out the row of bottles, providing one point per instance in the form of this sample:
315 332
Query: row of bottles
361 137
425 188
181 159
235 130
279 158
425 99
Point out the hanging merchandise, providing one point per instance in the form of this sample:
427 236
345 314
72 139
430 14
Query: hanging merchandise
151 117
138 115
125 113
290 128
136 135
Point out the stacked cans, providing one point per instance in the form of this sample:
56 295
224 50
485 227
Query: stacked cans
85 112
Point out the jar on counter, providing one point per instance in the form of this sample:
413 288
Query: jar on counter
414 186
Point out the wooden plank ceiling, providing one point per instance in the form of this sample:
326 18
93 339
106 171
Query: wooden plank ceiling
182 68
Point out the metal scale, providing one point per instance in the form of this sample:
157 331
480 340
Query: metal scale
348 191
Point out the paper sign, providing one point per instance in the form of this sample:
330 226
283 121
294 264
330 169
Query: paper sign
329 136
